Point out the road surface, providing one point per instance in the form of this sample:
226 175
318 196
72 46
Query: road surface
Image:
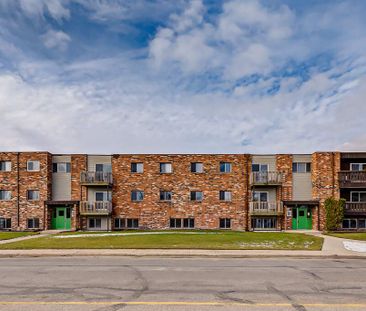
156 283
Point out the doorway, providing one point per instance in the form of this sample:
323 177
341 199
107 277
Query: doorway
61 218
302 218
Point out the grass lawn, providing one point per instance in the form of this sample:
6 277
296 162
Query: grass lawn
13 235
176 240
349 235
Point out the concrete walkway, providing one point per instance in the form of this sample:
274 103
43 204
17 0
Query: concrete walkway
29 237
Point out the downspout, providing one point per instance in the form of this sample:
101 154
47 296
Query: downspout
248 173
18 188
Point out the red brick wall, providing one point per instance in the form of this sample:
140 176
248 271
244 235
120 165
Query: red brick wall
324 175
78 193
154 214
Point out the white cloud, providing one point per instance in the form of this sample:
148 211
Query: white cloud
37 8
56 39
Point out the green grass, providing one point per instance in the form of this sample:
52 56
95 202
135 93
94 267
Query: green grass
349 235
198 240
13 235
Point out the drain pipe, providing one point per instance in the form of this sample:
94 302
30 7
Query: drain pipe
18 188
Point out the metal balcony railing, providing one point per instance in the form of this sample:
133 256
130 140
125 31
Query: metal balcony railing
351 179
265 208
96 178
266 178
95 208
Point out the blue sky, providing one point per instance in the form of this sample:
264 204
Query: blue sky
139 76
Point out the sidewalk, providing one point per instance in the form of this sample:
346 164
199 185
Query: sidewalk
332 248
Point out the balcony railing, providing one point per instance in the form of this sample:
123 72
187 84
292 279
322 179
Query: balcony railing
96 178
266 178
352 179
95 208
265 208
355 207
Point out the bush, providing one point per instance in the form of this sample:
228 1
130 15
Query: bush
334 210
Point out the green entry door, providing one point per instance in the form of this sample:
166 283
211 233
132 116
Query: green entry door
61 218
301 218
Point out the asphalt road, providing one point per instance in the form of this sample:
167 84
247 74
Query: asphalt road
132 283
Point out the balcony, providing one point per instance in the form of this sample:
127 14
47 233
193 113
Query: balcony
96 179
352 179
355 208
265 208
96 208
266 178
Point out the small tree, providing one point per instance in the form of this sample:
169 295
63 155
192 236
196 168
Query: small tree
334 210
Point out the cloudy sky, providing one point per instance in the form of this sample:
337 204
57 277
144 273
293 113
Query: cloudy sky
171 76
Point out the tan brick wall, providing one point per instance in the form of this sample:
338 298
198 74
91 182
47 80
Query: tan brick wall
78 192
325 167
155 214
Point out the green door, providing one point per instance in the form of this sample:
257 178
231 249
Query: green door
301 218
61 218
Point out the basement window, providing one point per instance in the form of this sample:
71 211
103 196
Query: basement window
225 223
5 223
95 223
33 223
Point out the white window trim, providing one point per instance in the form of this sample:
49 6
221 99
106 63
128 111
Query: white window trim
33 191
8 192
34 170
196 200
7 169
165 164
260 191
350 166
358 196
260 165
226 191
297 168
138 164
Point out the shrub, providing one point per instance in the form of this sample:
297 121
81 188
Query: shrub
334 210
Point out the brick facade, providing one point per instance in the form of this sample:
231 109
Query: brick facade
153 213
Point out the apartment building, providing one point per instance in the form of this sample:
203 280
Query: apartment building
40 190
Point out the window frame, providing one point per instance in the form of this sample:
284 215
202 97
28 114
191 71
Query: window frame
132 223
34 221
57 165
260 165
33 191
121 223
97 220
224 165
359 196
135 195
5 191
225 222
307 166
164 199
7 167
260 193
194 167
193 196
5 223
164 164
33 169
223 198
135 167
359 164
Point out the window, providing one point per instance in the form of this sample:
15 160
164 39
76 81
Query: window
188 223
260 196
95 223
103 196
5 166
5 223
165 195
137 195
225 223
132 223
358 166
196 195
33 223
165 168
61 167
105 168
225 195
32 195
349 224
259 167
264 223
137 167
33 166
182 223
301 167
225 167
358 196
197 167
175 223
5 195
361 223
119 223
289 212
